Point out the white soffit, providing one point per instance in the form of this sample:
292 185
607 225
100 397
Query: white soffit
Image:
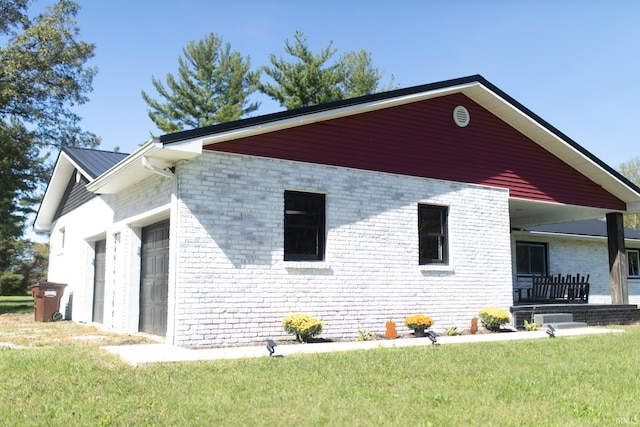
551 142
131 170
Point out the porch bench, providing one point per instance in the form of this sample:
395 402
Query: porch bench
556 289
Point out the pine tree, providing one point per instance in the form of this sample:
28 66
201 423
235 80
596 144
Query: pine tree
310 79
213 86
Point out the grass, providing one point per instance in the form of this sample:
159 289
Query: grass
16 304
581 381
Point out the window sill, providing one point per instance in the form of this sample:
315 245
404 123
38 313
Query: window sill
436 267
306 265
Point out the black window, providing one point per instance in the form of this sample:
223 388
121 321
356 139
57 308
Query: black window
531 258
432 234
304 226
632 257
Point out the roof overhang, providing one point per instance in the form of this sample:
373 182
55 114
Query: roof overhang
169 149
584 237
476 88
527 213
140 165
62 173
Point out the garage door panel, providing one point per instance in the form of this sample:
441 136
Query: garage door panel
154 289
99 280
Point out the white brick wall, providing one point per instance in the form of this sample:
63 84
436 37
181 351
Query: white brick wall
140 205
230 285
234 287
584 256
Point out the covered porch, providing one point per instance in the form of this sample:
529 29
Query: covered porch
568 285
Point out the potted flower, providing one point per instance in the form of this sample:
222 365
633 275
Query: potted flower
419 323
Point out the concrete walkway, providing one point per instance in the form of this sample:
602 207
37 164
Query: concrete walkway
140 354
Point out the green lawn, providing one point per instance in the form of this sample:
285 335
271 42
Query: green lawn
581 381
22 304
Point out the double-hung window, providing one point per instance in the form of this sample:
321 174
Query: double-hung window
432 234
633 261
304 226
531 259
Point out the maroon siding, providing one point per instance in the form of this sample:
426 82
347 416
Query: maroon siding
421 139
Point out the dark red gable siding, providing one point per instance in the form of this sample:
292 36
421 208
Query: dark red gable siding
421 139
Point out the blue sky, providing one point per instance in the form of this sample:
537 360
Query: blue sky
575 63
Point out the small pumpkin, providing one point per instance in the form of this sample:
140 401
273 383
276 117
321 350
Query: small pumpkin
391 332
474 326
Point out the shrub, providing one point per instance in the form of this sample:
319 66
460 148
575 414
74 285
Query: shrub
452 331
530 326
12 284
365 334
302 325
418 321
493 317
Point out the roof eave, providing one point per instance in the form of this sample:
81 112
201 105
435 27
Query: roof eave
278 121
62 172
475 87
554 141
568 236
131 170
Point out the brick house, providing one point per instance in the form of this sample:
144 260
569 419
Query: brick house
356 212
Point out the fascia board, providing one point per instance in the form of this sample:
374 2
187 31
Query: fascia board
62 172
320 116
120 169
551 141
131 170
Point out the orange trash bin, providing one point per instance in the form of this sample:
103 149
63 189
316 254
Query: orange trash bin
46 300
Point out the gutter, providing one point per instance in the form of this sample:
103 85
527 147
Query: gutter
120 168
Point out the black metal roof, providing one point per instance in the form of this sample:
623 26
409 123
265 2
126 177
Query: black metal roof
593 227
94 162
282 115
303 111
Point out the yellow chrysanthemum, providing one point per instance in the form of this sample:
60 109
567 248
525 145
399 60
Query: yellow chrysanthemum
418 321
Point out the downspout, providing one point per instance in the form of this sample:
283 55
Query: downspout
173 252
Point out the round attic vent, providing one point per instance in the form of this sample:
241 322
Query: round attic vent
461 116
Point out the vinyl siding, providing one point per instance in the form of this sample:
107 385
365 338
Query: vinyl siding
422 140
75 195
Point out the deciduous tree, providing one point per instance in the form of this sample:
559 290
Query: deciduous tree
631 170
29 264
42 76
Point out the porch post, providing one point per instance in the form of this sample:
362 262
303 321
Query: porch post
617 259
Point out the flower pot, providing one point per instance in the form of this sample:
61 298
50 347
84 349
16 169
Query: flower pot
419 333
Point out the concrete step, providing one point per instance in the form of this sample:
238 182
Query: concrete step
545 319
558 320
568 325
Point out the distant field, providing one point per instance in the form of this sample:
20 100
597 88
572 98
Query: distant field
21 304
